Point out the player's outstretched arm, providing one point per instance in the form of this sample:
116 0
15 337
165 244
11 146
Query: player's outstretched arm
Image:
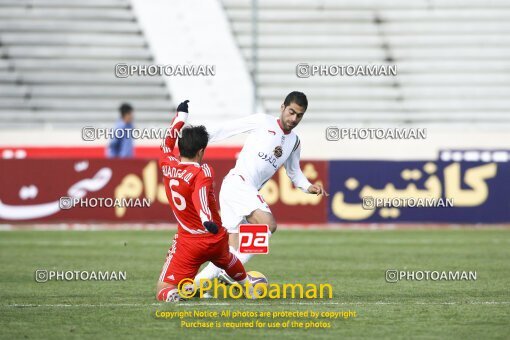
235 127
297 177
177 124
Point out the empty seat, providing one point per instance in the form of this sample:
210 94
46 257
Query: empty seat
57 64
452 57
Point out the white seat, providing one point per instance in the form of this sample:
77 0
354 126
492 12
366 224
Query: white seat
120 92
7 90
57 64
13 103
307 29
66 13
61 52
452 57
28 25
7 76
70 64
59 104
80 78
72 39
68 4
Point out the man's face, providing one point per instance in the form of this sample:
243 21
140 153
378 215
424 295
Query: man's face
128 118
291 115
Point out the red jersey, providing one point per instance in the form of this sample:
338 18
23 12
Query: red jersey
188 186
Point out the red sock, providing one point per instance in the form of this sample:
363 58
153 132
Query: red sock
163 293
236 270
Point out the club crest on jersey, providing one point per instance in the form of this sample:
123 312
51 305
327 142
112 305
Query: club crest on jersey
278 151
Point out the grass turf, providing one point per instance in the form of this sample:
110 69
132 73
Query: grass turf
353 262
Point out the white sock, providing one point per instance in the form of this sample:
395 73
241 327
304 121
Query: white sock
209 272
243 257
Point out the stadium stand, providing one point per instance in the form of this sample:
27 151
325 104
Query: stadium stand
57 64
58 57
453 57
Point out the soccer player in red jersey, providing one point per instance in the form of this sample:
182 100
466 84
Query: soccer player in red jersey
201 236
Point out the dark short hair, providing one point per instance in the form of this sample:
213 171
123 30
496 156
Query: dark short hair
296 97
193 138
124 109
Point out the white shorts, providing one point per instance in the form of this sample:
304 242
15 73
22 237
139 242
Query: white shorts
238 199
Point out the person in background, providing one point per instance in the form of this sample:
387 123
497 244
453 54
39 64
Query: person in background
122 147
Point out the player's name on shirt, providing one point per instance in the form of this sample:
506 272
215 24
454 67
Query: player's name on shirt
268 158
172 172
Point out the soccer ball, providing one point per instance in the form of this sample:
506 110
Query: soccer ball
258 280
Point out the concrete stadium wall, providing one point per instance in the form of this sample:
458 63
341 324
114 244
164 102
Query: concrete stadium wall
314 143
197 32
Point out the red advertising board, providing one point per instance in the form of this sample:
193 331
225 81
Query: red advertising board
31 190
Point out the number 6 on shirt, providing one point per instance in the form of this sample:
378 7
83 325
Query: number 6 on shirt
181 205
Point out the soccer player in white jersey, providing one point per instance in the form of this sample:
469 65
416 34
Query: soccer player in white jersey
270 145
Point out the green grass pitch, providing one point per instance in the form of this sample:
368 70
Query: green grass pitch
354 262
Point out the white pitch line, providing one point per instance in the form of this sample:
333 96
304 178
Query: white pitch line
339 303
82 305
196 304
191 304
275 242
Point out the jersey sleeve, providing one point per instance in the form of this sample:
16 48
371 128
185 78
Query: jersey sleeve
203 185
294 170
168 145
235 127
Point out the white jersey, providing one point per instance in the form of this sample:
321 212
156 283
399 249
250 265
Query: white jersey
266 149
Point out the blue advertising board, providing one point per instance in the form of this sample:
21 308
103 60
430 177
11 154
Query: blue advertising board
419 191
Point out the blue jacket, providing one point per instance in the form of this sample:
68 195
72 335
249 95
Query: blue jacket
121 147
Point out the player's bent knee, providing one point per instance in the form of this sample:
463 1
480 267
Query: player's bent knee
262 217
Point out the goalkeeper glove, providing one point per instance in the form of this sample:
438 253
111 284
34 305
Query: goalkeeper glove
211 227
183 107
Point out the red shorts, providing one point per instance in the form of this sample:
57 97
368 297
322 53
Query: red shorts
188 253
